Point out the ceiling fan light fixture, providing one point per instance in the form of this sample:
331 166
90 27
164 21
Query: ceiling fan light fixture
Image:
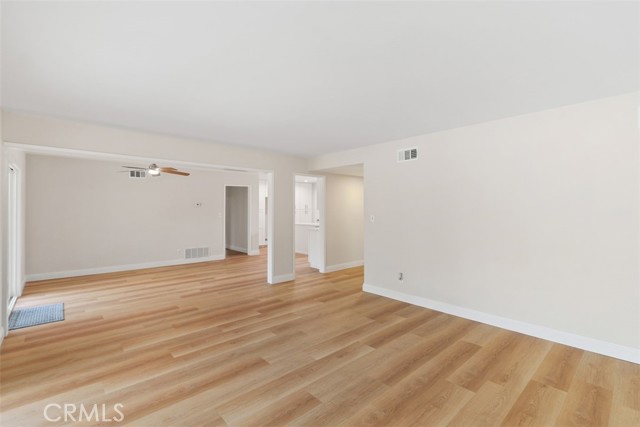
154 169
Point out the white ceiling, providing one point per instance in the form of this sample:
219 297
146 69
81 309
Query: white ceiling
312 77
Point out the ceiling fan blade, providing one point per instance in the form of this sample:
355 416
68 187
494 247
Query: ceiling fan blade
135 167
168 168
175 172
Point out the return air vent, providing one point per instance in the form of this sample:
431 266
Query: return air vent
137 174
407 154
190 253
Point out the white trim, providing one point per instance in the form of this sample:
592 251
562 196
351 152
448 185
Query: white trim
100 155
343 266
617 351
15 237
254 253
322 229
237 249
1 335
12 304
275 279
118 268
271 220
283 278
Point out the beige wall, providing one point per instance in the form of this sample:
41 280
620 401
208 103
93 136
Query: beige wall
57 134
532 219
344 211
83 215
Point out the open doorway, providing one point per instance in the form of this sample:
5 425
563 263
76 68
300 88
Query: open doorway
236 220
309 224
344 217
13 241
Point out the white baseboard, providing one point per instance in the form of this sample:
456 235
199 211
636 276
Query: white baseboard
617 351
344 266
283 278
117 268
1 335
254 252
237 248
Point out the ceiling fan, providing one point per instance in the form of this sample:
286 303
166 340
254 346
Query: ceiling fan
155 170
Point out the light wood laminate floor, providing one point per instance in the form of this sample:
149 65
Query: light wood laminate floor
212 344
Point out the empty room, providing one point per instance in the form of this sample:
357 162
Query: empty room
320 213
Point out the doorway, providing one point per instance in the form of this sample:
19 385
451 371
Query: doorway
309 221
13 241
236 219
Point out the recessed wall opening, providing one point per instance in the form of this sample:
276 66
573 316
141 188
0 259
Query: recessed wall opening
237 227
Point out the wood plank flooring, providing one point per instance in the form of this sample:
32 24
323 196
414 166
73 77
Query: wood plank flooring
212 344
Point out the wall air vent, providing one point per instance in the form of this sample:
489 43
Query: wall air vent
137 174
191 253
407 154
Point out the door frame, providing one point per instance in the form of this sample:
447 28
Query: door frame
14 242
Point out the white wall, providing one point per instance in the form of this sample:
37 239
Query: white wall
42 133
344 211
530 222
83 215
236 218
